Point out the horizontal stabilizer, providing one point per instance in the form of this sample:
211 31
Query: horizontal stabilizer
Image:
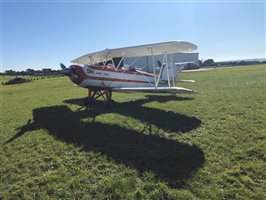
156 89
183 63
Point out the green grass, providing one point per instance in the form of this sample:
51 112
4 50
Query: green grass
209 145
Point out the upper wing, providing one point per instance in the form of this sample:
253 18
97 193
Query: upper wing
137 51
156 89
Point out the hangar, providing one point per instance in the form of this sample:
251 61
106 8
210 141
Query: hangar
145 62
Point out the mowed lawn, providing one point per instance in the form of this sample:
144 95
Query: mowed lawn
209 145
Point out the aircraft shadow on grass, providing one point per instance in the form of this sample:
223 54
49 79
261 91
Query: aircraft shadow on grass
166 120
168 159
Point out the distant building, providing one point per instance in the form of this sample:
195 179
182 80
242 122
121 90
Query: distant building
46 70
30 71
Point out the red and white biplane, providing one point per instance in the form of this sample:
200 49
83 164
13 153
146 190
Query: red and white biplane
100 74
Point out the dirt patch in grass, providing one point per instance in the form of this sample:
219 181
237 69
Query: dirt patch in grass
16 81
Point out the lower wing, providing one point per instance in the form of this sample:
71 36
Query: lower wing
156 89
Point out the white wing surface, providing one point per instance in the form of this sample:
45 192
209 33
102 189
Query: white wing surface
137 51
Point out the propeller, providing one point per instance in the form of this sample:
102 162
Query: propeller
159 63
67 71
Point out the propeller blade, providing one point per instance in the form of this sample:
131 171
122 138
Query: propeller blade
159 63
62 66
70 71
66 71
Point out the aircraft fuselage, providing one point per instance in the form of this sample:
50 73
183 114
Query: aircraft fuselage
109 77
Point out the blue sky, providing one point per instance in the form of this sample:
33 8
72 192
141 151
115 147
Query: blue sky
40 34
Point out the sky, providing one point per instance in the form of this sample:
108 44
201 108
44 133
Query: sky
41 34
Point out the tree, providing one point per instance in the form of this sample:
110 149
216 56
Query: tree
10 72
200 62
30 71
208 62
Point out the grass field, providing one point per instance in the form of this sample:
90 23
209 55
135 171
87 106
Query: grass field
210 145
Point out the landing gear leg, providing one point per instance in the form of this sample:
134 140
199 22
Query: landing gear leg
93 94
89 99
108 96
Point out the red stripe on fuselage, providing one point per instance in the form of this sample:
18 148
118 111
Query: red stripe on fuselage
112 69
116 79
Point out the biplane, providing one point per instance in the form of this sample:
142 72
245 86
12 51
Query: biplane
104 72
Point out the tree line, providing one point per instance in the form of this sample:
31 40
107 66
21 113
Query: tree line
211 62
32 72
